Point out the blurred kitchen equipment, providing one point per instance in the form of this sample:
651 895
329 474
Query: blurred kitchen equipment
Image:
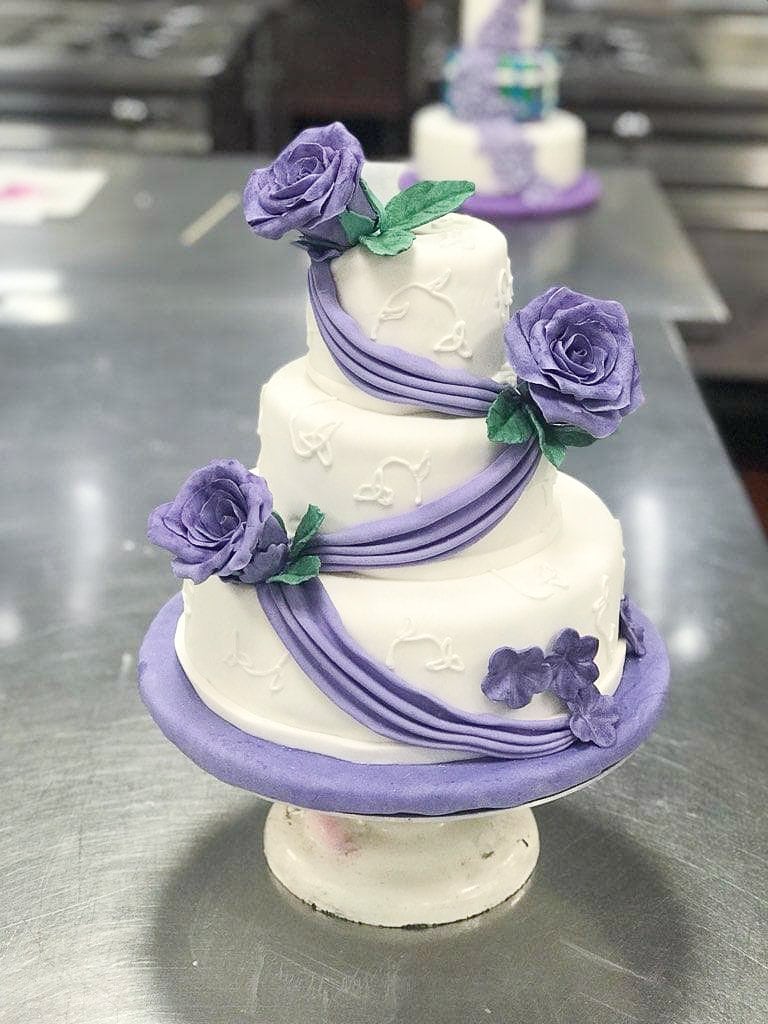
151 76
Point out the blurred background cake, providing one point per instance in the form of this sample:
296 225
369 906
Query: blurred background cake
499 124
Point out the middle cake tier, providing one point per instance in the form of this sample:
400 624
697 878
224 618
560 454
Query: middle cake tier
358 465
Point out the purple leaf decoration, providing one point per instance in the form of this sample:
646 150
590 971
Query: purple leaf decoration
630 630
515 676
594 720
572 658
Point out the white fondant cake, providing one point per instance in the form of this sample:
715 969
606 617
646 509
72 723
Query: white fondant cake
444 146
554 561
498 125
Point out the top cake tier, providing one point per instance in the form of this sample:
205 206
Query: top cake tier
502 25
447 298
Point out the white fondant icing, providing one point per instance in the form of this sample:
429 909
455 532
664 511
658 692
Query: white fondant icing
458 449
445 147
437 299
479 613
474 14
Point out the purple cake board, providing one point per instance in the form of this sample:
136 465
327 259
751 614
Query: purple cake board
325 783
585 192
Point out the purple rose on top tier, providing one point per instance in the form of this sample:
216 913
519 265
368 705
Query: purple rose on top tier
312 182
577 356
221 523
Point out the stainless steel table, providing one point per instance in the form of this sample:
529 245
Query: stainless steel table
133 886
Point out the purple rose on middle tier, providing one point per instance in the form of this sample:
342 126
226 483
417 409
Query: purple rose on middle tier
577 356
308 187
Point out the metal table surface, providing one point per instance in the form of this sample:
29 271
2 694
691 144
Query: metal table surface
630 246
134 889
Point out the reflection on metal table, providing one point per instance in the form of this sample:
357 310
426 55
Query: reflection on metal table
134 884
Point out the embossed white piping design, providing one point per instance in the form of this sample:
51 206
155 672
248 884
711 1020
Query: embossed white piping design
315 440
396 307
239 659
446 660
504 293
542 583
380 493
606 630
186 587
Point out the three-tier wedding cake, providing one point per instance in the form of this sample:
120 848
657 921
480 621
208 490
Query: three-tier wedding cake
407 578
499 124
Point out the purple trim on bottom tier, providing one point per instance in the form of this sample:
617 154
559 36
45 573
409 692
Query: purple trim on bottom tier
539 202
328 784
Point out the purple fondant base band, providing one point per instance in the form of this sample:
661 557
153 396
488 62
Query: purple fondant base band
583 194
326 783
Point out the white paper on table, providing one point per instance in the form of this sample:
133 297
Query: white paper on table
30 195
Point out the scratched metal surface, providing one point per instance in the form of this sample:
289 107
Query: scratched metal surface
133 886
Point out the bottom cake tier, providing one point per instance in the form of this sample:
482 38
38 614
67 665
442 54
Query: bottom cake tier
501 156
436 634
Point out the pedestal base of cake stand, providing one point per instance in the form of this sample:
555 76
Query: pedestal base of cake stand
401 872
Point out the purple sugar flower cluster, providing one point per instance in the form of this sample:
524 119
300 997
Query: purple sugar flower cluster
569 671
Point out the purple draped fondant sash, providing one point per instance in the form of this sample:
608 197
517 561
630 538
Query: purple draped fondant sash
388 373
310 627
438 529
305 619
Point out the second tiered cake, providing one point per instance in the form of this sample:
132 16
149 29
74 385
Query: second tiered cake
499 124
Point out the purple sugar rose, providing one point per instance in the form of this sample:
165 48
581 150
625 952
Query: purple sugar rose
515 676
312 182
577 356
221 522
572 658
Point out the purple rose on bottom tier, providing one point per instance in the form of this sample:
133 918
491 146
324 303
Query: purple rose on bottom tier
577 356
221 523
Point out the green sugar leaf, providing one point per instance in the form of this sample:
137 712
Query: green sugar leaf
508 420
373 199
425 201
303 569
310 523
389 242
574 437
554 452
280 519
356 225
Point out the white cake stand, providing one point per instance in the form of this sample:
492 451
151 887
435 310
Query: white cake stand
404 872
